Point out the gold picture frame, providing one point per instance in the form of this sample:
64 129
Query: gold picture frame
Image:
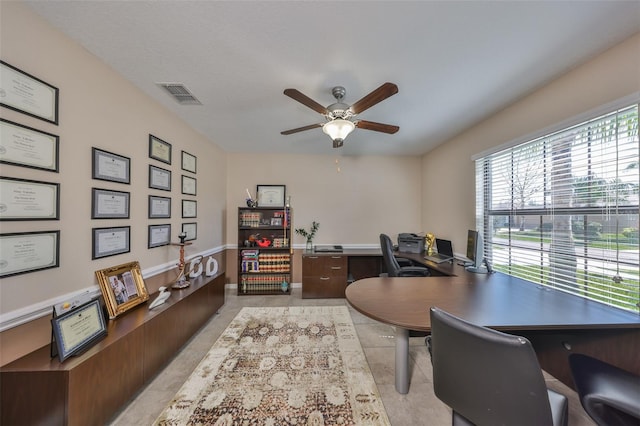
122 288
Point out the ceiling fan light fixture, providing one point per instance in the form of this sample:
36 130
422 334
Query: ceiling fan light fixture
338 130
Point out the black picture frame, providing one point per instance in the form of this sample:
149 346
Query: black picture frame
110 167
189 162
271 195
189 185
16 265
157 177
159 150
36 200
93 324
17 76
105 245
99 210
189 209
156 207
191 229
28 155
159 235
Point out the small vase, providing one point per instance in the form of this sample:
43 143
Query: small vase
309 245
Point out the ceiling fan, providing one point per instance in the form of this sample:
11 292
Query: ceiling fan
340 117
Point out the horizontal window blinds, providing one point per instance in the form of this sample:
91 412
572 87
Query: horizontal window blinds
562 210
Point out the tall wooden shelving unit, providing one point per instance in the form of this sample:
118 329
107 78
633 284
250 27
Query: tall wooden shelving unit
264 269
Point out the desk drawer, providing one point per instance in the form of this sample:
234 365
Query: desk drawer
314 266
324 276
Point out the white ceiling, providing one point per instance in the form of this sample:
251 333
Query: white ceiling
455 62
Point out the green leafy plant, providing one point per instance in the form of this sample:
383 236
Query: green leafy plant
310 233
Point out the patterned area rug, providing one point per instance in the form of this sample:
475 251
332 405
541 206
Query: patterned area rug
281 366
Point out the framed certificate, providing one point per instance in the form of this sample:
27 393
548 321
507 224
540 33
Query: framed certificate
108 204
271 195
79 329
27 94
159 149
159 207
188 185
189 208
27 147
188 162
159 178
191 229
109 166
22 199
24 252
122 287
159 235
111 241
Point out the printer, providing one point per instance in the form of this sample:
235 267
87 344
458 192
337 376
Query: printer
410 243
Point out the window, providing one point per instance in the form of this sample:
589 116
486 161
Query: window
562 210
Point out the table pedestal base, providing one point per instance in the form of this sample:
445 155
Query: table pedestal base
402 360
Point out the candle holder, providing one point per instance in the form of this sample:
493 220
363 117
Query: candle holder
181 280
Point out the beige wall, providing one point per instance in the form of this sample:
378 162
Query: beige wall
98 108
448 210
369 195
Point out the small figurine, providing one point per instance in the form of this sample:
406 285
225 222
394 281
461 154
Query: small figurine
430 239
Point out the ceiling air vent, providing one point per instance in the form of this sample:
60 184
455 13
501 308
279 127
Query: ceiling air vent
180 93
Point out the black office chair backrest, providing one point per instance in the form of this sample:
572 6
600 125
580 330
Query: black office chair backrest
488 377
390 262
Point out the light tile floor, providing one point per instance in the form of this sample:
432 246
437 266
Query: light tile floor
419 407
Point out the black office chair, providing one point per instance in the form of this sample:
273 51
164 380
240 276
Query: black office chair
488 377
610 395
391 263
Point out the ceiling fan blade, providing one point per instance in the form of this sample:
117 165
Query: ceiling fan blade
378 95
305 100
377 127
301 129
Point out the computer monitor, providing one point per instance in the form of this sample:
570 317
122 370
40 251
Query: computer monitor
475 252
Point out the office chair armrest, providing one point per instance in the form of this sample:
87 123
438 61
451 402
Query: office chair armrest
601 384
404 262
413 271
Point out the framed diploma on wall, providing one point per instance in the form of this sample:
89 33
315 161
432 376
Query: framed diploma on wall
22 199
189 208
109 166
159 178
189 162
27 94
27 147
159 235
23 252
111 241
189 185
109 204
159 207
159 149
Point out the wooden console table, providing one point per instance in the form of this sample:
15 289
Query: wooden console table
90 388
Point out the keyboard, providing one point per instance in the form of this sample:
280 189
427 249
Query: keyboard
438 258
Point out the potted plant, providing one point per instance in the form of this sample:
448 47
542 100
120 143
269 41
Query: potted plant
309 234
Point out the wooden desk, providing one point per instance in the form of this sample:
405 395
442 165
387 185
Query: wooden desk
326 274
556 323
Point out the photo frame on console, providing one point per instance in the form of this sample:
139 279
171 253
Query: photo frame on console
77 330
122 287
